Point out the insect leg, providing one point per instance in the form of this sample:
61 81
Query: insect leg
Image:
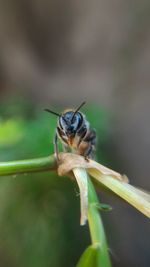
91 137
90 141
56 146
82 134
88 152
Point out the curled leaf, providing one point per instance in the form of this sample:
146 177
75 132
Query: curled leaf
70 161
135 197
113 180
81 177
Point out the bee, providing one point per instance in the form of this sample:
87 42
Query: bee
74 132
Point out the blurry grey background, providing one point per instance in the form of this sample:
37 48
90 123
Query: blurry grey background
64 52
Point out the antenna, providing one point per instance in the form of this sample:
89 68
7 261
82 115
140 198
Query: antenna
53 112
82 104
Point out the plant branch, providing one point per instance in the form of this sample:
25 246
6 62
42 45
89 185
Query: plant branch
97 232
28 165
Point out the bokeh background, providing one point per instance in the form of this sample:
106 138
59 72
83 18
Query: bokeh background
57 54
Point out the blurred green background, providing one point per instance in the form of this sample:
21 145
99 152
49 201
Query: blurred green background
39 213
55 55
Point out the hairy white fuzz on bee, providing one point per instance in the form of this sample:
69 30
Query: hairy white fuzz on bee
116 182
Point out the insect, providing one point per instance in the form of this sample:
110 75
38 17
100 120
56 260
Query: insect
74 132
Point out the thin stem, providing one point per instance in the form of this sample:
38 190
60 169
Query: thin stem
96 227
28 165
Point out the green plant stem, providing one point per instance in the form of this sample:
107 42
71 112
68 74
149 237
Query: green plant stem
96 227
95 223
28 165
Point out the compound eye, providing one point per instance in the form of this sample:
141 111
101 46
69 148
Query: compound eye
77 120
62 122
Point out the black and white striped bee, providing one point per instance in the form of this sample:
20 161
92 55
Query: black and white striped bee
74 132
